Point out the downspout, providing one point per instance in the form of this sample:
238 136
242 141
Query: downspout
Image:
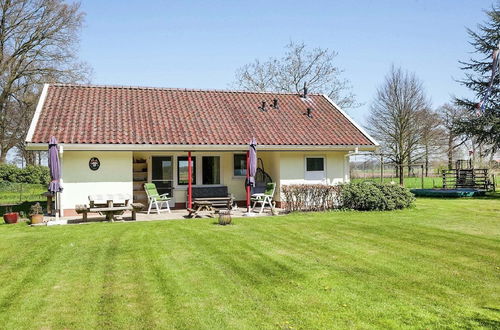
190 181
247 182
58 197
347 177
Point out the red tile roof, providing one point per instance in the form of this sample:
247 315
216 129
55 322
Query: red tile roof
137 115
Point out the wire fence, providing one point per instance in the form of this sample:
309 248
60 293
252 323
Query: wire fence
370 168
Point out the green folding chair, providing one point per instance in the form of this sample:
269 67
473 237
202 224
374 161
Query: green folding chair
264 198
155 198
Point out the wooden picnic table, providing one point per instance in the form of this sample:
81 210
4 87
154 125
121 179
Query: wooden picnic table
110 212
109 205
200 206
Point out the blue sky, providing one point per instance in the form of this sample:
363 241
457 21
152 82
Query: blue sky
200 44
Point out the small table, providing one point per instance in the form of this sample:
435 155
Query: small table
49 196
111 211
199 206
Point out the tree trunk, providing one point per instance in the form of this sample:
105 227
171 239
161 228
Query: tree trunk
30 157
409 167
401 174
450 152
3 155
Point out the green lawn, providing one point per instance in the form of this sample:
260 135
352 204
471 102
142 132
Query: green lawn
415 182
409 182
20 192
434 266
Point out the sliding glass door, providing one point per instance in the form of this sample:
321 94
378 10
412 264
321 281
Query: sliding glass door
163 174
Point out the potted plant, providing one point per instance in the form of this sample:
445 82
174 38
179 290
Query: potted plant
36 213
9 216
224 218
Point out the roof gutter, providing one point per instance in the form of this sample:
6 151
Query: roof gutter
198 147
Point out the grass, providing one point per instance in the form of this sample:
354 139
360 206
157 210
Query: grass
433 266
414 182
409 182
11 193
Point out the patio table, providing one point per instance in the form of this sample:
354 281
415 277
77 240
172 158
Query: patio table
199 206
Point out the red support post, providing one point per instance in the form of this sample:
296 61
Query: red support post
190 182
247 181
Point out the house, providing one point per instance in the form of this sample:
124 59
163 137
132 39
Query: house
113 139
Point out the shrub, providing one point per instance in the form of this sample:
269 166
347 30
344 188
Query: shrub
9 172
356 196
398 197
362 196
36 209
310 197
34 174
370 196
30 174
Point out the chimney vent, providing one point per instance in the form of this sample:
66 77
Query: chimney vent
275 104
263 106
309 113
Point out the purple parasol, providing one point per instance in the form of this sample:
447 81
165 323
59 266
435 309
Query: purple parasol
251 169
54 167
252 161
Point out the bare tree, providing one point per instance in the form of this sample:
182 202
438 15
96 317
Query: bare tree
38 40
394 118
451 116
314 67
431 134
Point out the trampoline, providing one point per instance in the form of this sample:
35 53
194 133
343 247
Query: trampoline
460 192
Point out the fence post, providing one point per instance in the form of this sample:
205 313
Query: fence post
422 176
381 168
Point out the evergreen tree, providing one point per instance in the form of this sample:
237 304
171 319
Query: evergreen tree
482 126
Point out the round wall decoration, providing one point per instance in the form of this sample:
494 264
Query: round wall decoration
94 163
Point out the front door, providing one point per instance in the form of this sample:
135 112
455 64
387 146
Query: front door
162 174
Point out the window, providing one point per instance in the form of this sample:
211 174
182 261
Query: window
240 165
315 169
182 170
315 164
211 170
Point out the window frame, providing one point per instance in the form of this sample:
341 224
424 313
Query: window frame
193 169
234 163
315 175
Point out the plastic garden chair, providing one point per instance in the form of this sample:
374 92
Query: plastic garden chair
155 198
265 198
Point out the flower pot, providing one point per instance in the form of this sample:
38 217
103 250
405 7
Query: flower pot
11 217
36 218
224 218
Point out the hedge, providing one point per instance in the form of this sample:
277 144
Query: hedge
354 196
311 197
30 174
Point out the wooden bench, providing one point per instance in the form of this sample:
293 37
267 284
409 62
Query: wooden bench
218 196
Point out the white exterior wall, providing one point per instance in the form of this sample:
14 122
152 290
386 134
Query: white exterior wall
79 181
115 172
292 168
